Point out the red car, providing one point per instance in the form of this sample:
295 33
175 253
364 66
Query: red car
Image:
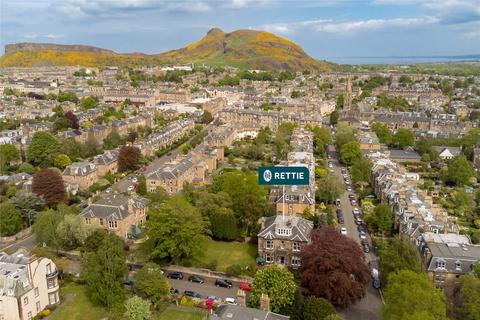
245 286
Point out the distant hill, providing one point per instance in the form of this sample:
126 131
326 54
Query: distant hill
242 48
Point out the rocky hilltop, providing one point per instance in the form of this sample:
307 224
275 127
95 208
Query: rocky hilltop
242 48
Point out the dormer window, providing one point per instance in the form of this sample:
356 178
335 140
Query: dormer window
458 265
441 264
284 231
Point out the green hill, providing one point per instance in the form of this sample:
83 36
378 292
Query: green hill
242 48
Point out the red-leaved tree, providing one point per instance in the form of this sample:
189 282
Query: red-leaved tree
128 158
49 184
72 119
333 267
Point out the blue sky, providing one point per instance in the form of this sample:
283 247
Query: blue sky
325 28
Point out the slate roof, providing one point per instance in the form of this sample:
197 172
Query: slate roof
172 170
231 312
301 229
106 157
458 258
454 151
79 169
404 154
113 207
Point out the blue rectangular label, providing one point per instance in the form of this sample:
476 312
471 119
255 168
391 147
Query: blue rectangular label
283 176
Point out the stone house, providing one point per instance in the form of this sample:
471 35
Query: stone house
28 285
81 174
281 238
107 161
117 213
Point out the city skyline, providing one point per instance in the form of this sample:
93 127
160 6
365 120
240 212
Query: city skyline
325 29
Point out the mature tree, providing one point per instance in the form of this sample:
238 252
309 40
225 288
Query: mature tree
467 302
8 154
340 101
112 140
43 149
317 308
27 168
142 185
206 117
278 283
248 197
208 203
403 138
381 220
350 153
29 204
71 232
72 119
150 282
94 240
128 158
48 183
334 117
175 229
397 254
329 188
73 149
333 267
383 132
424 146
132 136
460 171
62 160
361 170
137 309
89 102
10 219
344 134
411 295
224 224
104 272
56 229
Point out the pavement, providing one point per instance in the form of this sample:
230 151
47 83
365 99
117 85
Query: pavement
369 308
27 243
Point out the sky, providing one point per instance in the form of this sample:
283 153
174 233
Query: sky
326 29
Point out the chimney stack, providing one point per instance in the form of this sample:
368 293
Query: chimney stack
241 298
264 302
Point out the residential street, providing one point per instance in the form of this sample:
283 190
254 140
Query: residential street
369 307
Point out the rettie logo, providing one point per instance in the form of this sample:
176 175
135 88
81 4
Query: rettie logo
267 175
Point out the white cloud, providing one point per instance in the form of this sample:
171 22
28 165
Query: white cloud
343 27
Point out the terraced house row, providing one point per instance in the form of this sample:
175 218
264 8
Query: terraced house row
445 254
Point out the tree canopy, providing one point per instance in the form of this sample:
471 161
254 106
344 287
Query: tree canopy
350 153
104 272
333 267
43 149
278 283
460 171
403 138
381 219
11 219
383 132
175 229
411 295
48 183
329 188
150 282
397 254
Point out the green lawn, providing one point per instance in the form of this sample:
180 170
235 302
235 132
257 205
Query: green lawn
176 313
79 307
228 253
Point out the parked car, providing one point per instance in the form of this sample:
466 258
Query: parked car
108 190
356 211
373 267
231 301
175 275
128 282
196 279
349 189
246 286
343 231
130 188
134 180
215 298
376 283
364 241
192 294
223 283
174 291
366 247
361 228
362 235
358 220
353 202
